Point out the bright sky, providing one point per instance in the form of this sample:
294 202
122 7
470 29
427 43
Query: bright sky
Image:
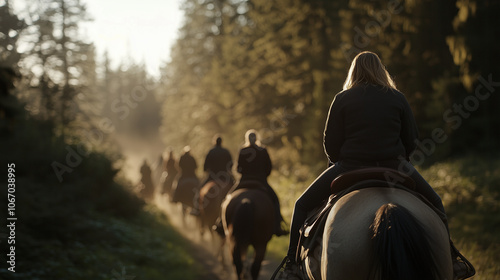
144 30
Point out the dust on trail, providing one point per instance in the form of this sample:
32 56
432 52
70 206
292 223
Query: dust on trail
134 152
206 249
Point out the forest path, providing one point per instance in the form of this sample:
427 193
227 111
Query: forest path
204 249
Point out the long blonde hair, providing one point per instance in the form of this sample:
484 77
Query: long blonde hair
366 67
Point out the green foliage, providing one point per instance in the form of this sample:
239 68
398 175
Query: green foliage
57 64
470 189
85 226
98 246
236 62
10 28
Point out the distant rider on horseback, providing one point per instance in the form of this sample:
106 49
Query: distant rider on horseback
218 165
254 164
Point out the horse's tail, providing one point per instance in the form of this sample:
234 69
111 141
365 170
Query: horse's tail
401 245
242 225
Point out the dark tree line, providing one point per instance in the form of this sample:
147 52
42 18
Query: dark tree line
270 65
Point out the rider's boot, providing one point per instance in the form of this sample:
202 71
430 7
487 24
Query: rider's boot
218 227
462 268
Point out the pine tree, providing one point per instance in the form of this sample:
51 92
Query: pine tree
10 29
57 57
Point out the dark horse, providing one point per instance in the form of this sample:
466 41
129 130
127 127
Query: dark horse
248 219
381 232
211 196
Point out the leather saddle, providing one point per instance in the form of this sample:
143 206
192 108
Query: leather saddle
340 186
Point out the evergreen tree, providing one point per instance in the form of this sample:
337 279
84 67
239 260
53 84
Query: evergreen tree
474 118
10 30
56 61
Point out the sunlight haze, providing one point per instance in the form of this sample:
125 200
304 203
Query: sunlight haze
143 30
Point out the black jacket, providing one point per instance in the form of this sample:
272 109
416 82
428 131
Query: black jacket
218 160
187 165
369 123
254 163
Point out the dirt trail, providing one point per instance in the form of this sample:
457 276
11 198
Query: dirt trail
205 249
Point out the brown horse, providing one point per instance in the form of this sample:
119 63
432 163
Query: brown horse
382 233
211 196
248 219
186 192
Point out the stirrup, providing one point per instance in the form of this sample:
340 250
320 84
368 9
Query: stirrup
462 268
287 270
